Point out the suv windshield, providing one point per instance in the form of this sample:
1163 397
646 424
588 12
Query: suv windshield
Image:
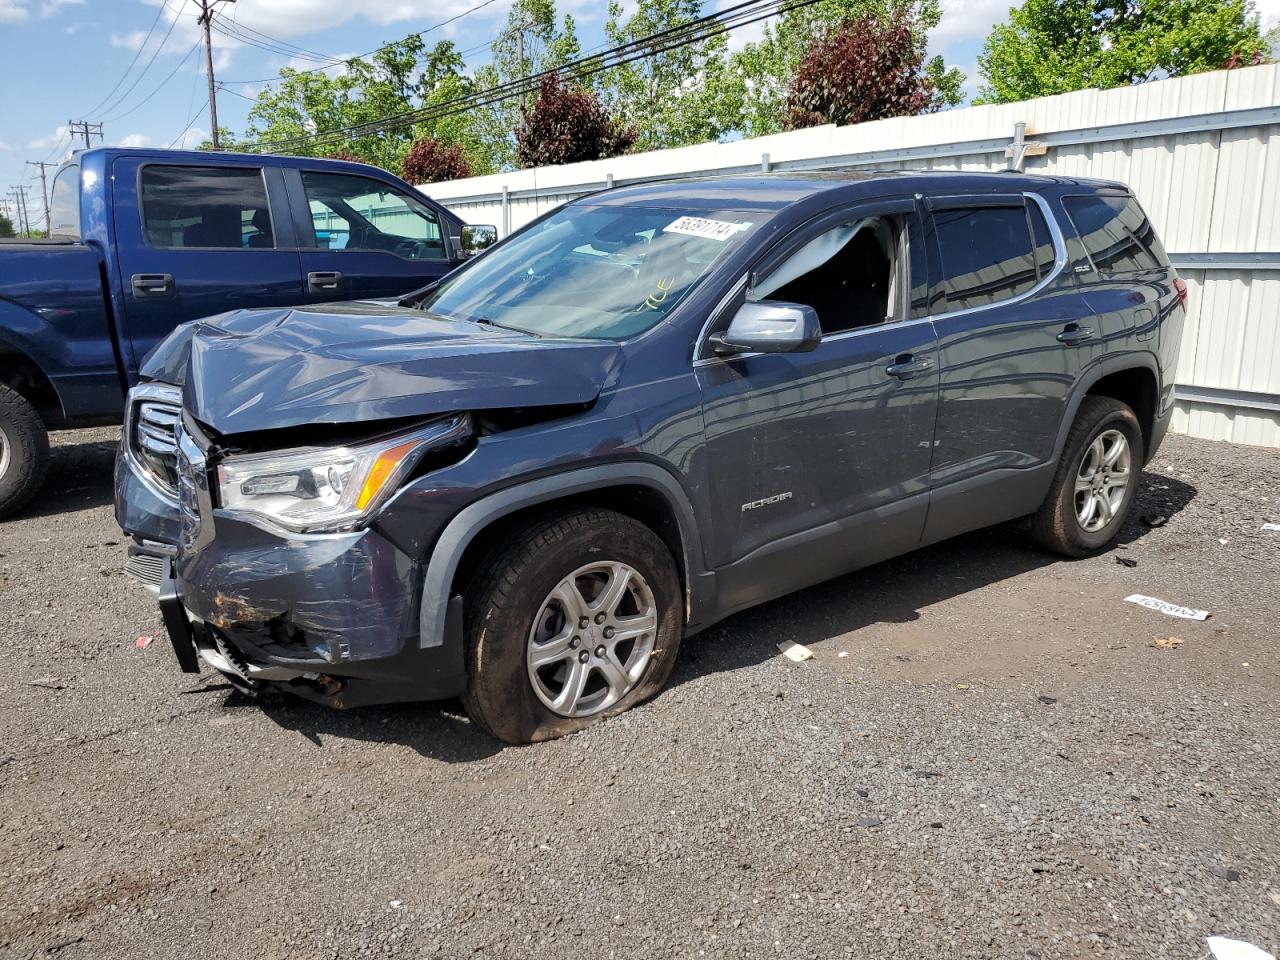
592 271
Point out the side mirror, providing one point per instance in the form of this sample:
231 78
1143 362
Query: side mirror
769 328
477 239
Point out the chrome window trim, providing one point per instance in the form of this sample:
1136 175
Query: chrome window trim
161 392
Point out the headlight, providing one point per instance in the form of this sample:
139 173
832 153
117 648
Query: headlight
328 489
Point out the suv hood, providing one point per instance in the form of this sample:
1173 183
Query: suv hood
253 370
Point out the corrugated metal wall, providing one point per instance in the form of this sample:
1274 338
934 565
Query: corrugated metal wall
1202 154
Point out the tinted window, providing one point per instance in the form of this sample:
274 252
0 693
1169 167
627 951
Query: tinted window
845 274
356 213
64 204
986 255
1045 252
205 207
1116 234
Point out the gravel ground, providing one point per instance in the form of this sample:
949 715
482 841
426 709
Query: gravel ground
985 758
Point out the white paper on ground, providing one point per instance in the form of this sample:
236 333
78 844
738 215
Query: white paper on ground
1224 948
1274 527
795 651
720 230
1171 609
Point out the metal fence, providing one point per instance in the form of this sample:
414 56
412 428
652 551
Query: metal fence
1202 154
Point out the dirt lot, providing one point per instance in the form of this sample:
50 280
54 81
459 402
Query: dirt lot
987 757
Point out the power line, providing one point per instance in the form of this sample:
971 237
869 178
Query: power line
228 28
136 54
385 46
138 79
244 27
163 83
194 117
672 38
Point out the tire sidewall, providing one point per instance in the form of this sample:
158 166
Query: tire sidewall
1115 418
27 443
500 635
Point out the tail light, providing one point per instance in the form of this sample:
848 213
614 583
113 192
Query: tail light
1180 286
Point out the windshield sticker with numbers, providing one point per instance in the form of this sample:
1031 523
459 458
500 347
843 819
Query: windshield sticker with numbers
720 230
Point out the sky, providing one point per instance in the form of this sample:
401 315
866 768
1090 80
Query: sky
137 66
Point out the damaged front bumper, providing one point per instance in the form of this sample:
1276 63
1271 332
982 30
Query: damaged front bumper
332 617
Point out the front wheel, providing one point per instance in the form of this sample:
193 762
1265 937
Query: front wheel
1096 483
576 618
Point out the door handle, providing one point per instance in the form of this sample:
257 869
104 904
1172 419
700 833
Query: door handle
907 366
152 284
324 281
1074 333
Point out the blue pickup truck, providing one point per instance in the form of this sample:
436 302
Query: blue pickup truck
144 240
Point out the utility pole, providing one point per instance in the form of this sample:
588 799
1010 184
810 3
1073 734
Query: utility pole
20 198
44 193
85 128
206 20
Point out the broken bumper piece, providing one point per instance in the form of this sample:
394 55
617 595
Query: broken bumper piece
330 617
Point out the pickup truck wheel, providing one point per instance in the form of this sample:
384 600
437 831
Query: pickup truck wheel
1096 483
24 451
575 618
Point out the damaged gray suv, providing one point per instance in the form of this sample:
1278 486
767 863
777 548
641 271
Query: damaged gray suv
647 410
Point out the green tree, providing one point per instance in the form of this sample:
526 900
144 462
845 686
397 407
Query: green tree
765 69
6 227
676 97
1056 46
399 78
531 43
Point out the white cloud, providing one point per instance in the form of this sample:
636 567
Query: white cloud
192 139
12 11
51 8
967 20
134 140
45 143
6 146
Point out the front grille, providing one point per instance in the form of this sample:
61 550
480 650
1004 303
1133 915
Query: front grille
155 410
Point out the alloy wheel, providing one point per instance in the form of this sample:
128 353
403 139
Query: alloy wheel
591 641
1102 480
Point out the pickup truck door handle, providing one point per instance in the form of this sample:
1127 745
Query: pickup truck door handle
907 366
1073 333
324 281
152 284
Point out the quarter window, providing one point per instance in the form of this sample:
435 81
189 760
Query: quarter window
64 204
356 213
987 255
205 207
846 274
1116 234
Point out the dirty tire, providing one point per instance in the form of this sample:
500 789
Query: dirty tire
508 594
24 451
1055 525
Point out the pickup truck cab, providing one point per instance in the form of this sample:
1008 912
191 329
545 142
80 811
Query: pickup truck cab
144 240
651 408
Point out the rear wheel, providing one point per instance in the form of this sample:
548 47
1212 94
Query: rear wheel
1096 483
576 618
24 451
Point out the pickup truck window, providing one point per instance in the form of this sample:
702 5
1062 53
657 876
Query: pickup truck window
358 213
64 204
205 207
986 255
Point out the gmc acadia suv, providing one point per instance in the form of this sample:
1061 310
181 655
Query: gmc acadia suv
648 409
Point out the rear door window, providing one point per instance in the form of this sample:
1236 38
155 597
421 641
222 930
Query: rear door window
1116 234
987 254
64 204
205 207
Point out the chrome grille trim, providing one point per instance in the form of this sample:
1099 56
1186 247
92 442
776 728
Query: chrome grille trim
152 416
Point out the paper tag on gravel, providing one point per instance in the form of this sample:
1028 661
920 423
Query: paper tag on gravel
1224 948
721 230
1165 607
1273 527
795 651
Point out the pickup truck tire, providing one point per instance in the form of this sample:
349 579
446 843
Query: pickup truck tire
578 611
24 451
1091 496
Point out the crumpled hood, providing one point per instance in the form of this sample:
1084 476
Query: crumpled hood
253 370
